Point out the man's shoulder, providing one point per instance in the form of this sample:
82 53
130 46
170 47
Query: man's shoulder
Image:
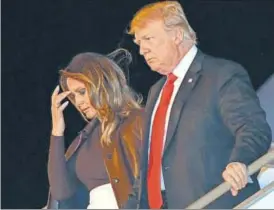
220 64
221 68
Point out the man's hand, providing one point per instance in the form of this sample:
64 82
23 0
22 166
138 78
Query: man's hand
236 174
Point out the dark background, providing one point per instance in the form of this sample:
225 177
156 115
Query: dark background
40 37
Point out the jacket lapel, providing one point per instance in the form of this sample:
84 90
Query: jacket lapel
153 96
187 85
151 100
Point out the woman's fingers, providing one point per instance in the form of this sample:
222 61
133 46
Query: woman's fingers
61 97
57 98
63 106
55 92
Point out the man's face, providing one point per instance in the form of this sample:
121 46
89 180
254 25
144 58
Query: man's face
158 46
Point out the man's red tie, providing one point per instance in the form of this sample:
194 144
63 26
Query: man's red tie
156 146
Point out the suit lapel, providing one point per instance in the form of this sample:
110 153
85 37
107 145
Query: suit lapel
189 82
153 96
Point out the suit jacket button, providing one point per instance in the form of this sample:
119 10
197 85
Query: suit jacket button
166 168
115 180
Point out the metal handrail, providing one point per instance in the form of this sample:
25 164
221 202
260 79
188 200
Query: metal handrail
225 186
257 196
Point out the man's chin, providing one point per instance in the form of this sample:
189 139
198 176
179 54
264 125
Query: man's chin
160 71
157 69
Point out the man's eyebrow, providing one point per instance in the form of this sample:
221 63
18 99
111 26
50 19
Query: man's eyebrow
142 37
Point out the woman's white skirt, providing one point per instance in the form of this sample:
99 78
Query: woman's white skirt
102 197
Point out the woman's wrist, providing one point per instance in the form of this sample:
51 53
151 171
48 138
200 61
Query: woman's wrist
55 133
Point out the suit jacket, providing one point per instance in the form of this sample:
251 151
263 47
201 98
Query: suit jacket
121 157
215 119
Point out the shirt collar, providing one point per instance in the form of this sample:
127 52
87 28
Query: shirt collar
181 69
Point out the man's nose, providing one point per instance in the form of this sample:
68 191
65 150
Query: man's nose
143 50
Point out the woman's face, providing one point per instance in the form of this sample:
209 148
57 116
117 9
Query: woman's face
81 98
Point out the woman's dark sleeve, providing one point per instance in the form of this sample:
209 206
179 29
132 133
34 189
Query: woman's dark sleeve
61 174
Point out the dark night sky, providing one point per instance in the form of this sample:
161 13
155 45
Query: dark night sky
40 37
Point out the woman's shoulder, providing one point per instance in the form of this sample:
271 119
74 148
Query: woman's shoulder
135 115
131 128
134 120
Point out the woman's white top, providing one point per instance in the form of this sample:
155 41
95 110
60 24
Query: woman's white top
102 197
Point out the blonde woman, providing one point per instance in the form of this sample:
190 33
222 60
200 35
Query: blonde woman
102 163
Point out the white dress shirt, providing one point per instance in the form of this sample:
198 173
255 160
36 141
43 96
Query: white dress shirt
179 71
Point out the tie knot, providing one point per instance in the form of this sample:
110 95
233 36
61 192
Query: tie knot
171 78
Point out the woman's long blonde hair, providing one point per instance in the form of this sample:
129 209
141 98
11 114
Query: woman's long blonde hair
107 87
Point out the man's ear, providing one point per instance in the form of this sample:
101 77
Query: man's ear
178 36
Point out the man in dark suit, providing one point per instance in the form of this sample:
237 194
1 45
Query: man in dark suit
204 121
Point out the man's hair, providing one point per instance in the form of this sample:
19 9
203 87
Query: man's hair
107 87
172 14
